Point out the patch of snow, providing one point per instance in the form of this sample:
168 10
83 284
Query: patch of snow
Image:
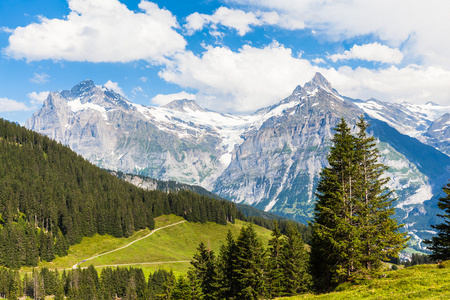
422 194
76 105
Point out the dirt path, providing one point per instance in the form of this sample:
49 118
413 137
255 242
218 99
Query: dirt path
153 231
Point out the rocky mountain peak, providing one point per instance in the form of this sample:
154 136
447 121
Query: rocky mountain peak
83 86
319 81
183 105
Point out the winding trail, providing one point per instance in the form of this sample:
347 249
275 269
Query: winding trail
123 247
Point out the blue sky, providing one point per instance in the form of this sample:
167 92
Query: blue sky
230 56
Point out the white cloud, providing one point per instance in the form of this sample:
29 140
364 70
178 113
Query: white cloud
7 105
253 78
318 60
236 19
40 78
239 20
38 98
393 84
6 29
161 99
115 87
239 81
99 31
421 27
371 52
137 90
143 79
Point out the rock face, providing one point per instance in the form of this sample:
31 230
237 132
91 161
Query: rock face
270 159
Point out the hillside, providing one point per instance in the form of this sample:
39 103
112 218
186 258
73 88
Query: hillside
418 282
51 198
169 248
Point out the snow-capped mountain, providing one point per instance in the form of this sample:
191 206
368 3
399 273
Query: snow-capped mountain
270 159
411 119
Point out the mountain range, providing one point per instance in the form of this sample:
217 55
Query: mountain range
270 159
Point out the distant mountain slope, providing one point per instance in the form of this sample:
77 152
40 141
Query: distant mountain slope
428 123
173 186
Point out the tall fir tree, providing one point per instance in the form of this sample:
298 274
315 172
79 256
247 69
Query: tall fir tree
250 265
353 228
205 268
440 244
226 268
380 238
275 271
294 263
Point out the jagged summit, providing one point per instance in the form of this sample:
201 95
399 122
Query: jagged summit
83 86
318 81
183 105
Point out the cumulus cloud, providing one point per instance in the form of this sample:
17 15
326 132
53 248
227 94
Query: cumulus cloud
233 18
393 84
161 99
318 60
420 27
99 31
38 98
239 81
7 105
40 78
239 20
115 87
371 52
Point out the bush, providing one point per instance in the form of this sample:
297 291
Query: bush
394 267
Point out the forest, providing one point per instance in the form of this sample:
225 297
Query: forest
51 198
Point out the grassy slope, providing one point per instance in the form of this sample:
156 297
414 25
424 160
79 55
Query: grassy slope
418 282
177 243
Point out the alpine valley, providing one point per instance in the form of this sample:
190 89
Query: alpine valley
270 159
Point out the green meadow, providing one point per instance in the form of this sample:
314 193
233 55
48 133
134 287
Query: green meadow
418 282
168 248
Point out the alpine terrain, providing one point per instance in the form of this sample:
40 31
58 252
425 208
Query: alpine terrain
270 159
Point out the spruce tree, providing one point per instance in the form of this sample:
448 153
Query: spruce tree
226 268
380 238
440 244
275 272
205 268
294 263
353 228
250 268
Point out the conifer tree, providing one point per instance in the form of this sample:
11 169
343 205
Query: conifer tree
379 235
276 272
205 268
352 226
440 244
226 268
250 266
294 263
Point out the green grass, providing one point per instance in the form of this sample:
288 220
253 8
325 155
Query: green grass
418 282
168 245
